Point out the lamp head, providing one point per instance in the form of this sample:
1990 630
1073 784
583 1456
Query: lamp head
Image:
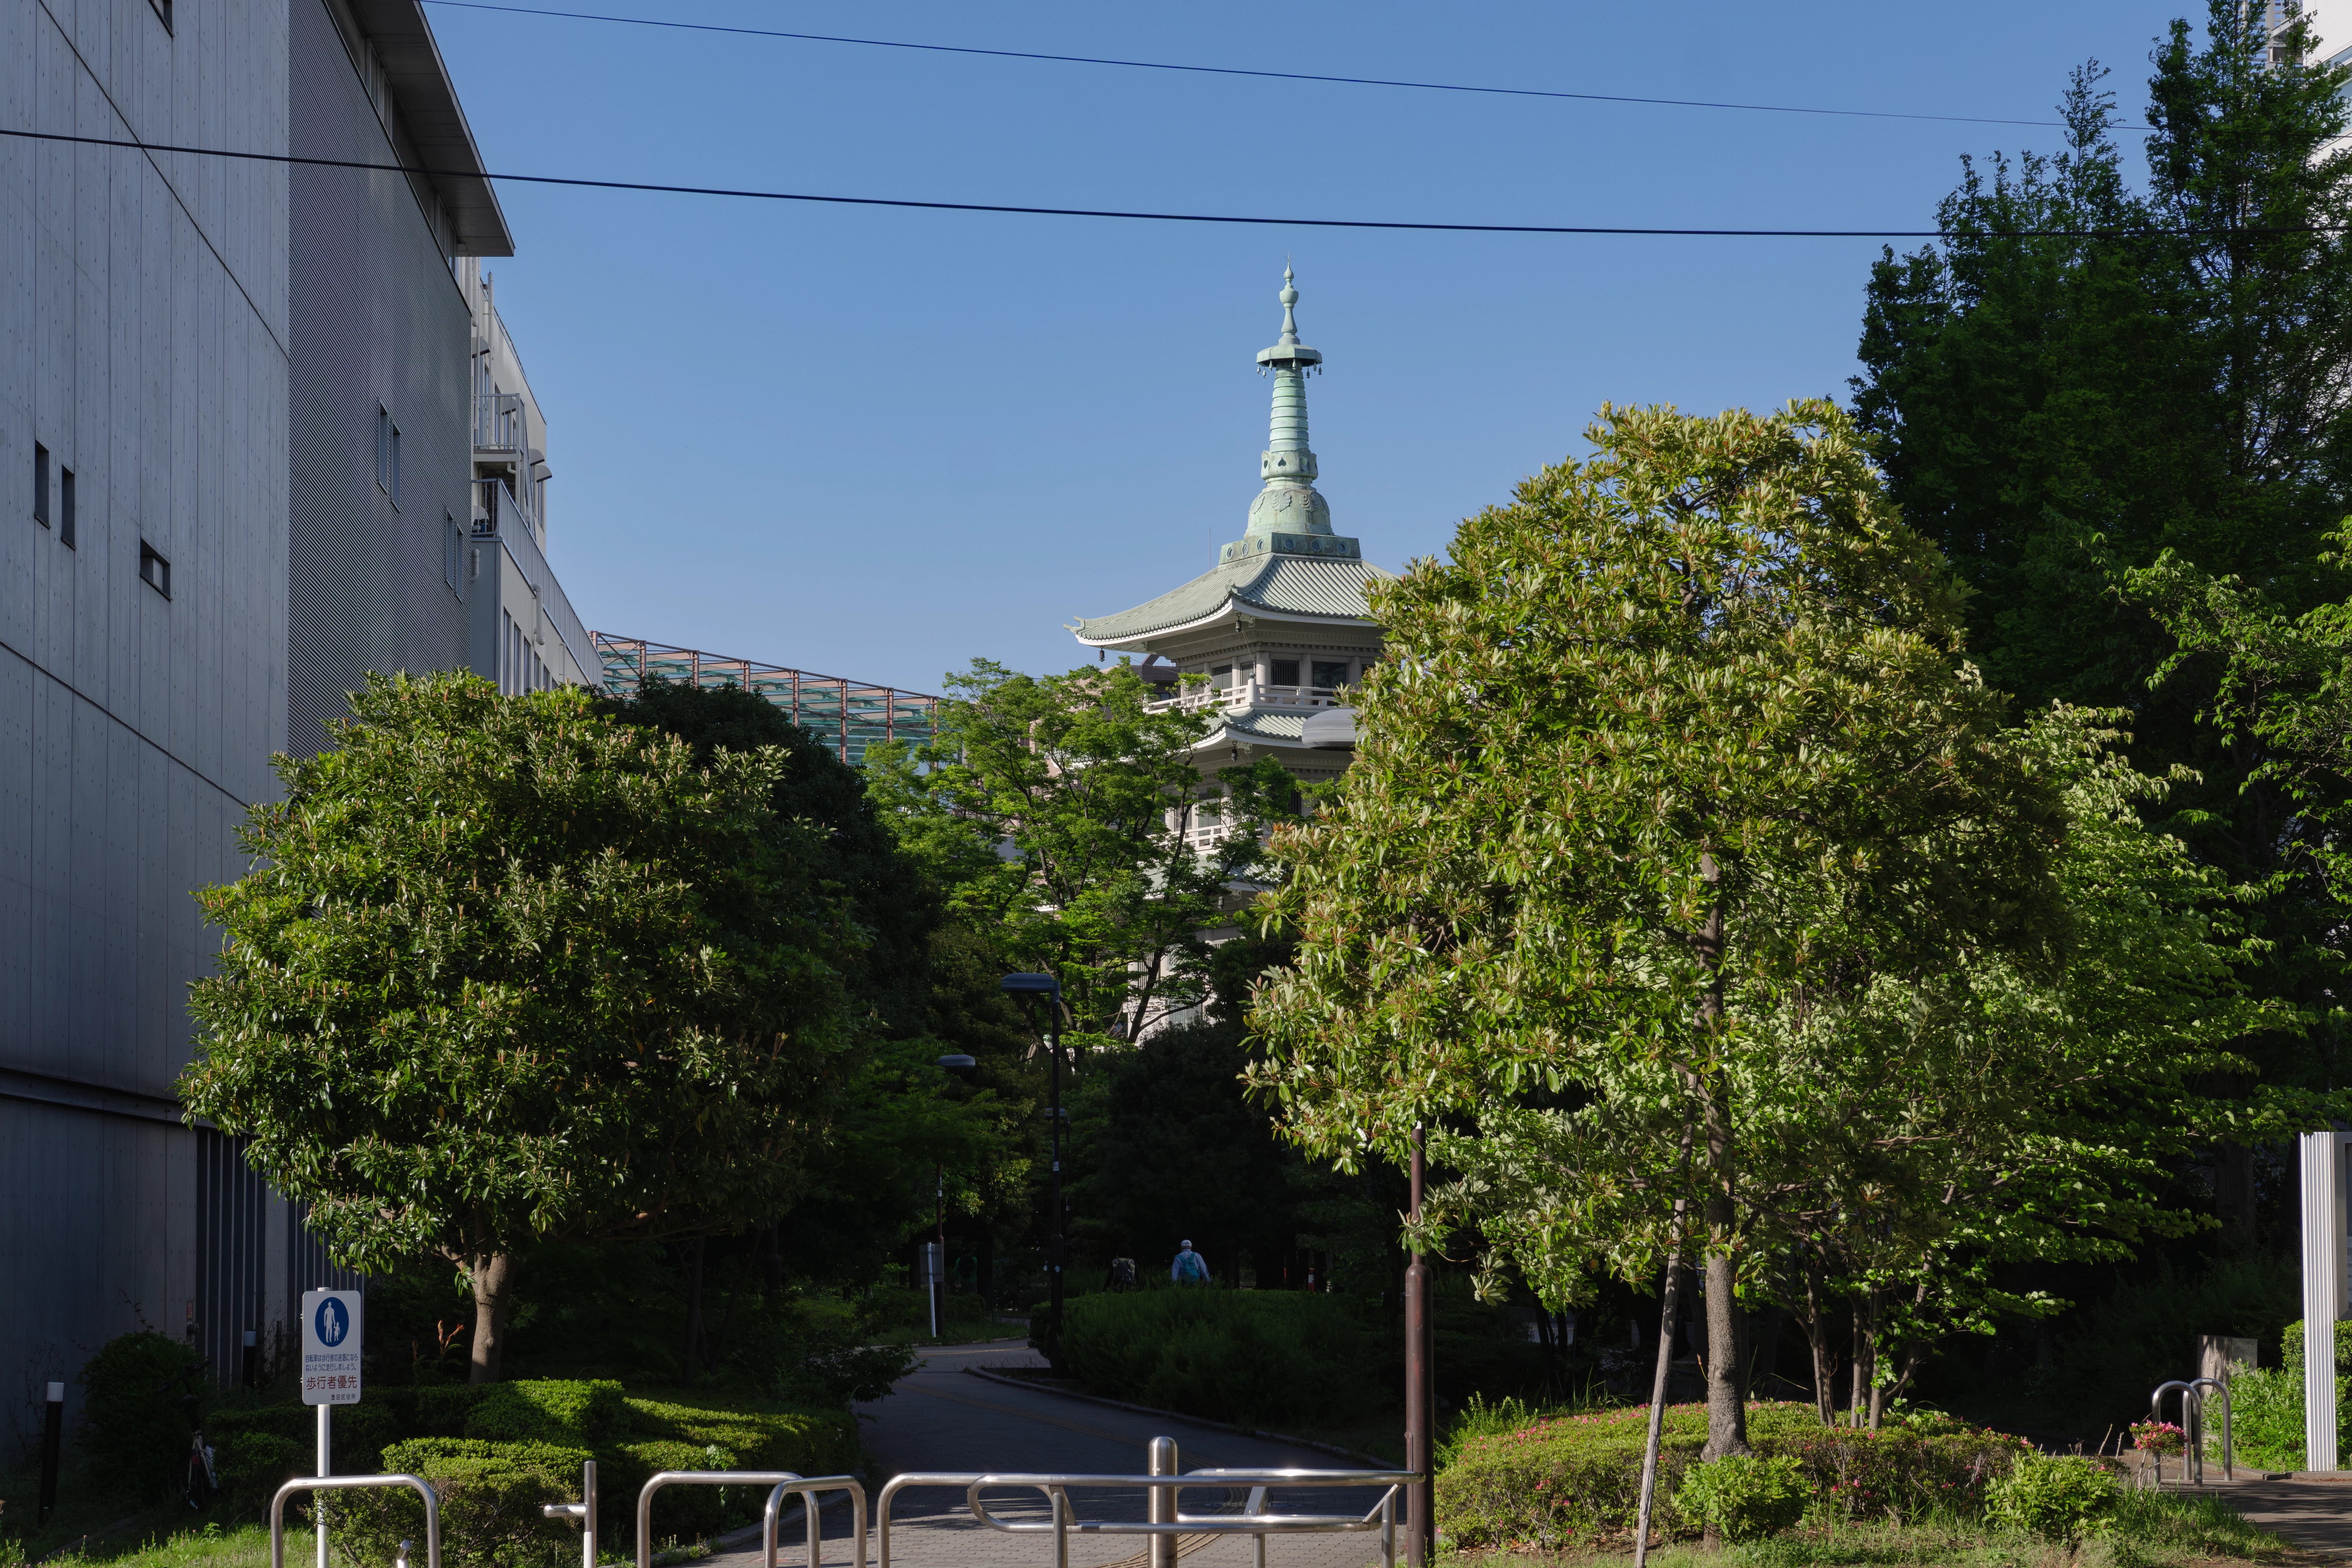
1030 986
958 1059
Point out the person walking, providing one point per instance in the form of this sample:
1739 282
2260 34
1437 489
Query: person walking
1188 1269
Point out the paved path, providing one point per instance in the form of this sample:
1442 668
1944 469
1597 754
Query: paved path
2315 1515
938 1419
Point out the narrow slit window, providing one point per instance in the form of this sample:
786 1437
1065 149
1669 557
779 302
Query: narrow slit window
66 508
453 554
384 448
395 486
40 484
154 570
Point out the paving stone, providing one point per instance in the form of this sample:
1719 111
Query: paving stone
938 1420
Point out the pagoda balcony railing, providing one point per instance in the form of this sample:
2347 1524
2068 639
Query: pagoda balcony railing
1246 694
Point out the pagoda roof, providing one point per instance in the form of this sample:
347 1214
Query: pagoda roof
1291 587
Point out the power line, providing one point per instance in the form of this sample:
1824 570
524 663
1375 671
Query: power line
1240 71
430 173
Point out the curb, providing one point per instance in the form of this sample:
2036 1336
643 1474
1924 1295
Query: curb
1373 1460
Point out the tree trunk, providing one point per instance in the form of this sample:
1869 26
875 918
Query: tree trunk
2233 1191
1764 1350
1727 1405
1815 1321
493 1280
693 1312
1865 1355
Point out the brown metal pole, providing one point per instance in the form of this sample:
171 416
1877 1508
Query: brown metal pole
1420 1390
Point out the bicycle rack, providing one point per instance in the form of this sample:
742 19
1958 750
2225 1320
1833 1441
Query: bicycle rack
784 1481
356 1483
585 1510
1063 1521
2192 1421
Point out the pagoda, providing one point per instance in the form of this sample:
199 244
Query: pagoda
1274 634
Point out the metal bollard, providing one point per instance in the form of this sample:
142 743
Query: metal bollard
399 1555
1160 1508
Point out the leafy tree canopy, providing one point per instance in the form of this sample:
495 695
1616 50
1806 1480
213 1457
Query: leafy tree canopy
506 970
1676 737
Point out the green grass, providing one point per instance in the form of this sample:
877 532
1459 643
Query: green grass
2151 1530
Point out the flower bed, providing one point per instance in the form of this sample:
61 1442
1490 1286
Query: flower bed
1576 1479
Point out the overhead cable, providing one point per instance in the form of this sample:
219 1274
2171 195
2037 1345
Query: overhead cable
1244 70
431 172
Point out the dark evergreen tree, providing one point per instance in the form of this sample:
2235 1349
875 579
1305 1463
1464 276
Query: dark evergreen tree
2085 377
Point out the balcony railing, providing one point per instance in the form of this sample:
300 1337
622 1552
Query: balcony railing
499 422
1246 694
495 510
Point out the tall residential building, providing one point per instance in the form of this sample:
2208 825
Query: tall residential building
1277 630
243 462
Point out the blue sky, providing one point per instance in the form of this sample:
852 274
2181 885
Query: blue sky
878 443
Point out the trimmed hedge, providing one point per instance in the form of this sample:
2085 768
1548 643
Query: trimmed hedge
1257 1357
491 1495
1577 1479
488 1437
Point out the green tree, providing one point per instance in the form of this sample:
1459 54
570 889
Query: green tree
1680 732
1181 1151
1062 817
508 970
2142 375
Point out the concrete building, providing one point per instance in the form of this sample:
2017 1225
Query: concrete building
1276 631
243 448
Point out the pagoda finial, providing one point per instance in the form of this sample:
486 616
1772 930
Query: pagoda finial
1289 515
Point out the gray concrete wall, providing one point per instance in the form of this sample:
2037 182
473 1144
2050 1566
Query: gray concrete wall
143 341
377 318
204 342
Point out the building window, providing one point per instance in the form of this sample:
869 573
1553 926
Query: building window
1285 672
1331 675
453 554
153 570
40 484
1221 675
387 454
66 508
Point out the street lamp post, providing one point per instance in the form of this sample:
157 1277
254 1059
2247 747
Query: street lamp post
1028 988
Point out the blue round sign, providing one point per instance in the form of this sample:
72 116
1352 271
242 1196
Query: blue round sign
331 1321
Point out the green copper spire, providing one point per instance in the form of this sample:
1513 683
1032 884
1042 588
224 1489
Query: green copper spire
1289 515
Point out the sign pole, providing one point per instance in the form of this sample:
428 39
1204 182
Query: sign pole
330 1376
1420 1521
326 1468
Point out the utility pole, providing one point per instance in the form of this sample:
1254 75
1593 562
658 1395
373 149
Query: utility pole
1420 1390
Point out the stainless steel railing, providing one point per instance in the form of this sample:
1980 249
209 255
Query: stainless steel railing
1167 1519
784 1481
354 1483
2192 1422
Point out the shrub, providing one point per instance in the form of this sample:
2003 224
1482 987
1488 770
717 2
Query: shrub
1744 1496
1577 1477
547 1410
133 1424
491 1497
252 1464
2057 1497
1260 1357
